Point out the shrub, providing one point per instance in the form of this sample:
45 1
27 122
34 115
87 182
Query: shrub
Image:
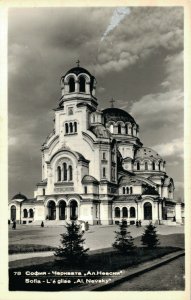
123 240
72 245
149 237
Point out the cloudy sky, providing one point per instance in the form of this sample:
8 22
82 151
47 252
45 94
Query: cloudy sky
136 55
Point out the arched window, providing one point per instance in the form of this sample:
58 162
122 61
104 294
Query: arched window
71 127
31 213
124 212
123 190
138 165
59 173
146 165
13 212
104 172
82 83
127 190
70 173
119 128
85 190
117 212
71 85
75 126
65 171
66 128
153 165
25 213
132 212
131 190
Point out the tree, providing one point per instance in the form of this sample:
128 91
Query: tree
72 245
123 240
149 237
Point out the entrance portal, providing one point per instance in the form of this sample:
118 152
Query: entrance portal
73 210
62 210
13 212
51 210
147 211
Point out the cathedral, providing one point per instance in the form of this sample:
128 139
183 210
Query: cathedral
95 167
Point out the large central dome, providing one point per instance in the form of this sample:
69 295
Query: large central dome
116 114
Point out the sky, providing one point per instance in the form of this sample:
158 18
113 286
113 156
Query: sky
136 55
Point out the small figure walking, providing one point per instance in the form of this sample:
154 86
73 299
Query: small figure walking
83 227
87 226
14 224
42 224
139 223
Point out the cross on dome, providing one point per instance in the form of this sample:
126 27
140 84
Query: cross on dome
78 63
112 102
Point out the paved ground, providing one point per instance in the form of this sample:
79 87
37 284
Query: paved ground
167 277
99 237
96 237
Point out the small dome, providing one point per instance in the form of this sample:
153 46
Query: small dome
77 71
100 131
116 114
145 152
89 179
19 196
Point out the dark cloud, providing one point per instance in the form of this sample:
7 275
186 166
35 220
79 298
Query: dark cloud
139 63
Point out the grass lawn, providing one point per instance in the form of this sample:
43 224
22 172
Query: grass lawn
25 248
103 261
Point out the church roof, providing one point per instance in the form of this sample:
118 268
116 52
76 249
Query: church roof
100 131
19 196
128 198
149 190
116 114
78 70
145 152
89 179
80 156
130 180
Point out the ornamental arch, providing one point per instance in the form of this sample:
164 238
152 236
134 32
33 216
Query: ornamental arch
147 210
13 212
51 206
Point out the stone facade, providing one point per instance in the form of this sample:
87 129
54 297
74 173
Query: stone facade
95 168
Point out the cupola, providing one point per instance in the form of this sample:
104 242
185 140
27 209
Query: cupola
77 82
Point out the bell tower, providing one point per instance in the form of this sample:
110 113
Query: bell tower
78 84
